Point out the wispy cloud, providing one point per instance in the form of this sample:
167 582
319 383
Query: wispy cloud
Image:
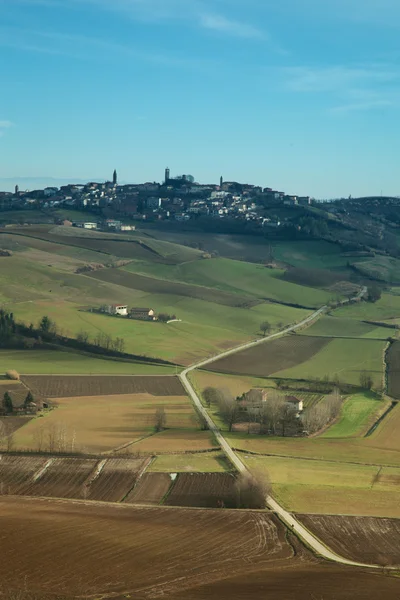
201 13
4 125
338 78
228 26
82 47
348 88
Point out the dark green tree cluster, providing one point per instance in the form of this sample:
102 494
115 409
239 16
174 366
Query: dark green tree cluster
7 325
7 403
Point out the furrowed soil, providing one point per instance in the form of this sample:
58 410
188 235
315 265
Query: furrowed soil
68 386
268 358
364 539
151 489
64 478
116 480
119 551
205 490
17 472
80 478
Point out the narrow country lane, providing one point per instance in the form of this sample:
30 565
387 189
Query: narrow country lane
293 524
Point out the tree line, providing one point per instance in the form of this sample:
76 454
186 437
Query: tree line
47 334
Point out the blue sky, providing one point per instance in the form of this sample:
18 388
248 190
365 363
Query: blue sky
299 95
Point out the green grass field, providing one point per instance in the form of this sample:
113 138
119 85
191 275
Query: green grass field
321 487
49 362
332 326
388 307
236 277
204 327
309 254
344 358
357 416
204 462
382 268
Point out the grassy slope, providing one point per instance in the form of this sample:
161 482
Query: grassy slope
34 290
309 254
346 358
386 308
205 327
47 362
236 277
343 327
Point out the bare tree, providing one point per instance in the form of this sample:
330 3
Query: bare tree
160 419
39 438
211 395
321 414
82 337
265 328
273 409
252 491
229 408
288 417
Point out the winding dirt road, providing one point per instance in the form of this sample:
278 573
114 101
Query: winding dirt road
304 534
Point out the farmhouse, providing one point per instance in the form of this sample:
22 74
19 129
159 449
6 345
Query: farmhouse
143 314
256 396
89 225
297 403
118 309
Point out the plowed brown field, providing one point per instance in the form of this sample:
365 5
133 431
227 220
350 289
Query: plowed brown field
116 480
364 539
16 472
64 478
151 489
268 358
206 490
69 386
119 551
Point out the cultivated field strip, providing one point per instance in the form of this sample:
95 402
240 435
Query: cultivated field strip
69 386
207 490
268 358
64 478
150 489
368 539
17 472
116 479
108 480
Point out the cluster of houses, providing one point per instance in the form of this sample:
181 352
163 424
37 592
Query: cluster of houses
178 199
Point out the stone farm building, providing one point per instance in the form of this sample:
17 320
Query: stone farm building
143 314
